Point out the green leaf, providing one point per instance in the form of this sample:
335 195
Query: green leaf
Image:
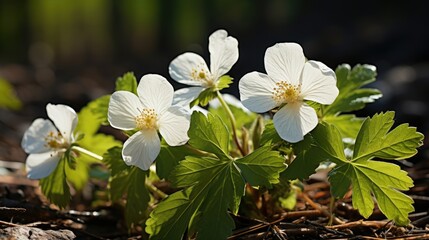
347 124
213 184
379 179
100 108
131 180
170 218
8 97
204 97
55 186
374 140
119 173
262 167
169 157
223 82
97 143
209 134
324 143
209 94
137 198
270 135
352 97
218 186
127 82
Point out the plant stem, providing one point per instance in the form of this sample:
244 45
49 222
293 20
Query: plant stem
233 123
89 153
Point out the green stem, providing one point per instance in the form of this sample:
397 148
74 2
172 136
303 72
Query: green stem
156 190
89 153
233 123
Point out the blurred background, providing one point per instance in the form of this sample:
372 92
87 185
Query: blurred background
72 51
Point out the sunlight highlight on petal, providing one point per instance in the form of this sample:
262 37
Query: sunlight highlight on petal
64 118
284 62
186 69
141 149
124 107
319 83
40 165
174 126
256 92
34 138
155 92
223 53
294 121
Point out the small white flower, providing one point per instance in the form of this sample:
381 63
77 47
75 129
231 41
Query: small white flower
290 80
46 142
148 112
191 69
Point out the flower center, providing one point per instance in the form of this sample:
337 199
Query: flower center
55 140
147 119
202 75
287 93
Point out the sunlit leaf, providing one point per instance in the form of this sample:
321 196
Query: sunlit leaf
127 82
262 167
347 124
213 184
374 140
223 82
55 186
209 134
8 97
352 97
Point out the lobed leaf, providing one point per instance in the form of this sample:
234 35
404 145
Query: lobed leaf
262 167
213 184
127 82
209 134
374 140
381 179
352 97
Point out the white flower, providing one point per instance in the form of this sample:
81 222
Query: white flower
191 69
46 142
148 112
290 80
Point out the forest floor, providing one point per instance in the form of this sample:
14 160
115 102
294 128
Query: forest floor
26 214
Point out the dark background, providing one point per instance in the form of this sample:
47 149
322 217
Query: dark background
71 52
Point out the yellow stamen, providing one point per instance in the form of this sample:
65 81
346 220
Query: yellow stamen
55 140
287 93
148 119
202 75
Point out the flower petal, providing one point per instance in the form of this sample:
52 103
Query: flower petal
284 62
183 97
319 83
155 92
256 91
64 118
40 165
34 138
174 126
294 121
124 107
141 149
182 66
223 53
